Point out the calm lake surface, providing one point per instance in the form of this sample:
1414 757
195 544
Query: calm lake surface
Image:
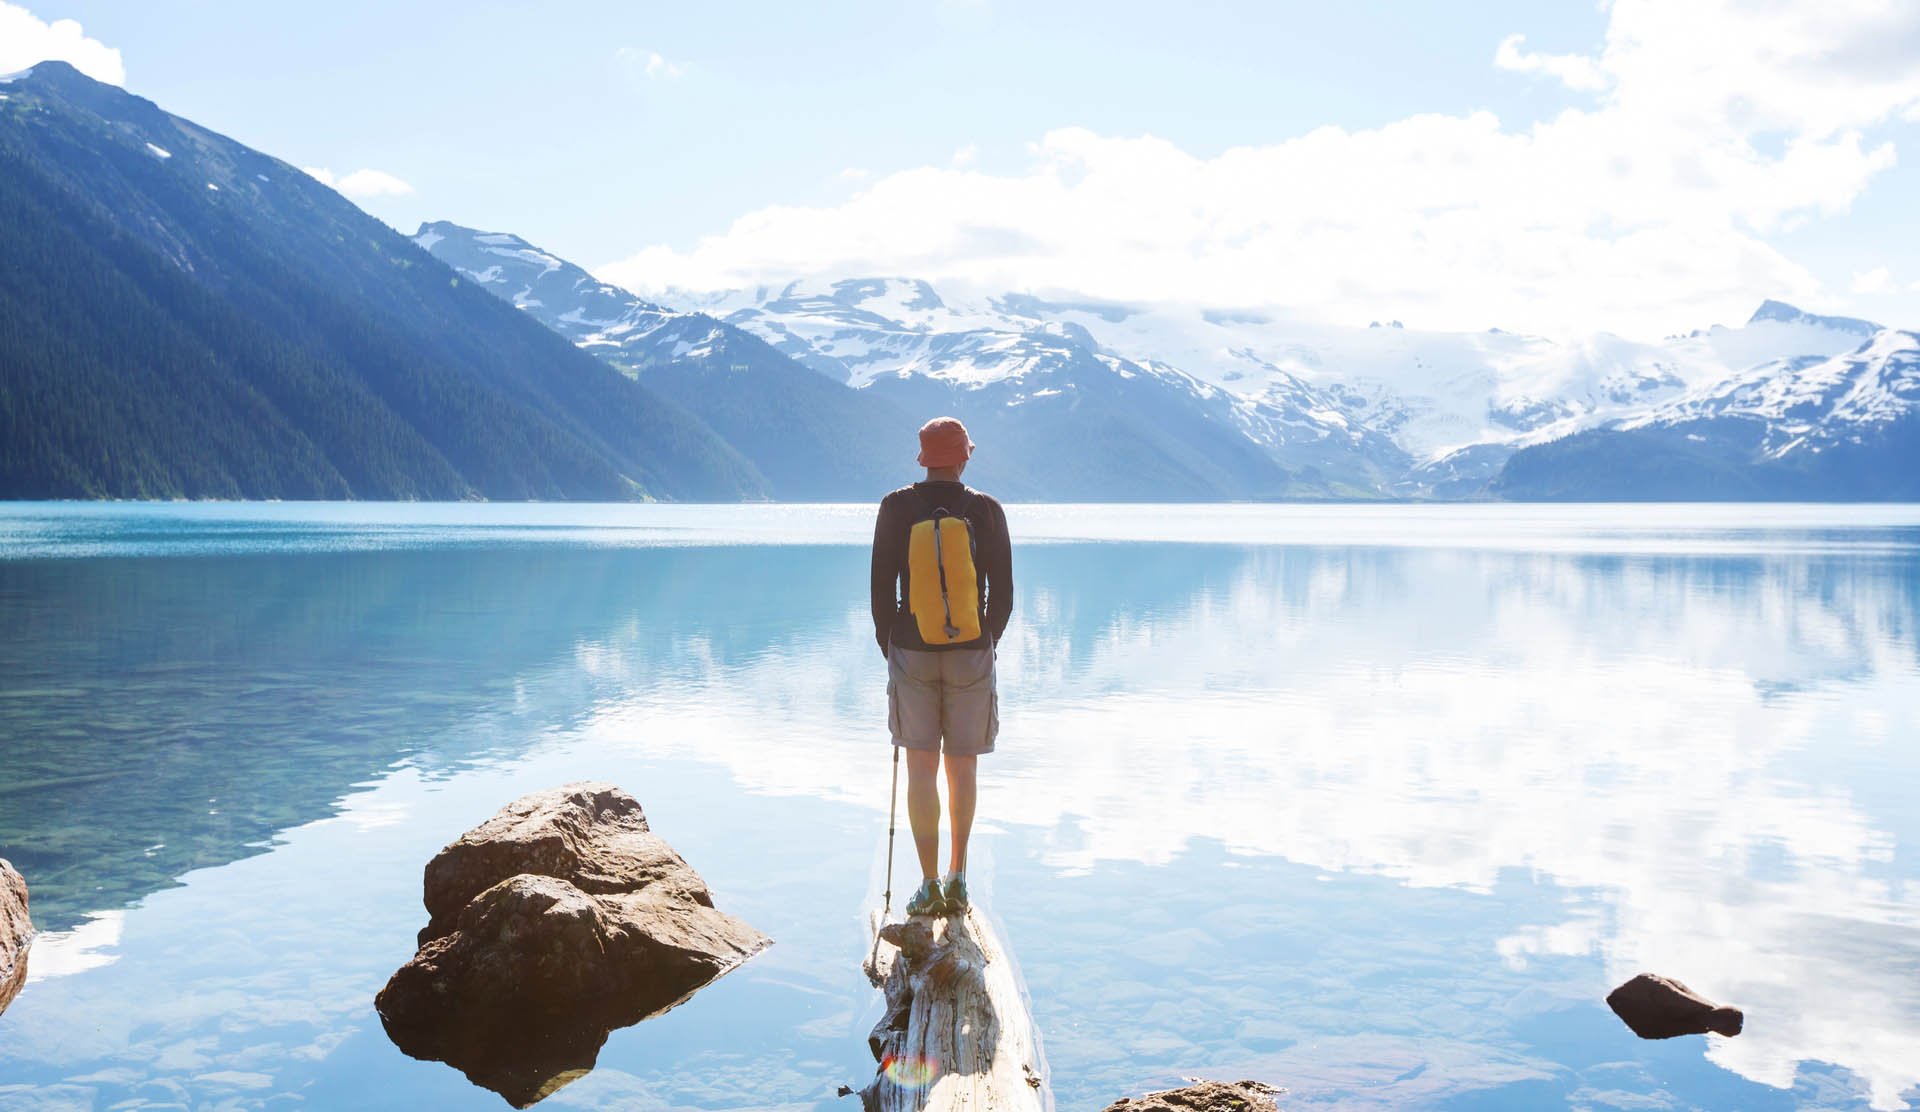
1374 803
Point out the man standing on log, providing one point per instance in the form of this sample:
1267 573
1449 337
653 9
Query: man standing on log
942 593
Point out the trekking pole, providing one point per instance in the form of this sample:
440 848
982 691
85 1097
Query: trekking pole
893 796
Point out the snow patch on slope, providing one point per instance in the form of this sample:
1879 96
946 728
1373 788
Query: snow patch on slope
1809 402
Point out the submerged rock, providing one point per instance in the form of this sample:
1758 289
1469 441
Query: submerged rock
1662 1008
1204 1096
16 931
557 920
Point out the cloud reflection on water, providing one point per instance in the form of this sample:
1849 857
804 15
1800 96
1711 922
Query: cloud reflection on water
1691 741
90 945
1685 746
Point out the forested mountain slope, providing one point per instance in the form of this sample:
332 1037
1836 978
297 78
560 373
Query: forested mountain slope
183 316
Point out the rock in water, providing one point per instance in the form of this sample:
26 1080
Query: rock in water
557 920
1204 1096
593 836
16 931
1663 1008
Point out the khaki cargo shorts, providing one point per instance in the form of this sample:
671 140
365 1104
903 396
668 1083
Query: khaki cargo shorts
948 694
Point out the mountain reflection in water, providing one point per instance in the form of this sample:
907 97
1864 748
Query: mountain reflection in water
1373 821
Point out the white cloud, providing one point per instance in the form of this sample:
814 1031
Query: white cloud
1811 68
967 155
361 184
855 173
649 62
1877 280
658 66
1716 124
26 41
1574 70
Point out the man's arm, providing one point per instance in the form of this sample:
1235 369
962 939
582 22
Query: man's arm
999 571
885 576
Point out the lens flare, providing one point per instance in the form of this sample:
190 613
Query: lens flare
909 1071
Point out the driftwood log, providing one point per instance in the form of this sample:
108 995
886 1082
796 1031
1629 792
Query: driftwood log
957 1033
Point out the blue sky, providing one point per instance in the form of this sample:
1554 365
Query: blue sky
693 145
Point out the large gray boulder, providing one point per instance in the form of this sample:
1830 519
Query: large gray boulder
16 932
1204 1096
1657 1007
557 920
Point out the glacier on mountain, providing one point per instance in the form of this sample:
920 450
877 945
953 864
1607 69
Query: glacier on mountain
1343 411
1455 404
1837 428
1808 403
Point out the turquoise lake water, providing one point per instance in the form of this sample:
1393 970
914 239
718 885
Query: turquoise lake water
1373 803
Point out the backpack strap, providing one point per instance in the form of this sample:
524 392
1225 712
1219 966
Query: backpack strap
968 498
940 564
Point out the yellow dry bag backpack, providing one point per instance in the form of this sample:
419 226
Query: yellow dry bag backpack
943 590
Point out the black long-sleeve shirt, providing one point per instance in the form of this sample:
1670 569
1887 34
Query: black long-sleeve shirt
992 560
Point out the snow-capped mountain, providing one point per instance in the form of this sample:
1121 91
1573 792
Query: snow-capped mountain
1840 428
1413 412
1079 399
632 333
810 438
1437 393
899 337
1807 404
1782 313
370 376
846 371
1058 418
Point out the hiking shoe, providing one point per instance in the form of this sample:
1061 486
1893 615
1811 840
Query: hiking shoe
928 900
956 895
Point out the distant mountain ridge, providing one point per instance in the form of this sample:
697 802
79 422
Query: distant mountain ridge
1049 381
1072 423
811 439
1384 412
183 316
1276 409
1787 314
1845 428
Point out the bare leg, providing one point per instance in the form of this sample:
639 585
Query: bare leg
962 791
923 807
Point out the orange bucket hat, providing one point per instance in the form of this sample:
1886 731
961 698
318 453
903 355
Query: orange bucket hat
944 443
